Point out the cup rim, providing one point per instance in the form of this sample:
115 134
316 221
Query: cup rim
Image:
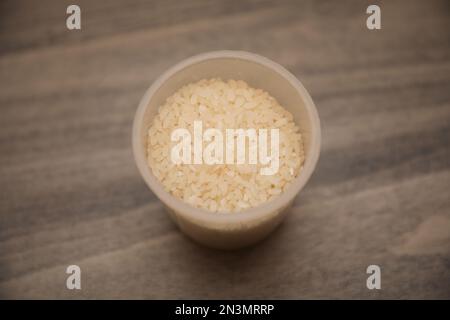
247 215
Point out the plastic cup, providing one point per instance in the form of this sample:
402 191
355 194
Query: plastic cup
230 230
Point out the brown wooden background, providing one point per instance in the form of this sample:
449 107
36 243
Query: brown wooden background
70 192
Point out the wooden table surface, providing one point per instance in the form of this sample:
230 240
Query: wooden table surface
71 194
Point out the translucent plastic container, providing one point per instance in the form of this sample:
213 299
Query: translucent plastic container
230 230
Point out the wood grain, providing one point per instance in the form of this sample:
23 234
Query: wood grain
70 192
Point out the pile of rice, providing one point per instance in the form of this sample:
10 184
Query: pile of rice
223 105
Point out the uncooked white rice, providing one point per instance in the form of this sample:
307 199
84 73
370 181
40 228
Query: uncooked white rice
220 104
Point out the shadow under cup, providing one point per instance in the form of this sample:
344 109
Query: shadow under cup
230 230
